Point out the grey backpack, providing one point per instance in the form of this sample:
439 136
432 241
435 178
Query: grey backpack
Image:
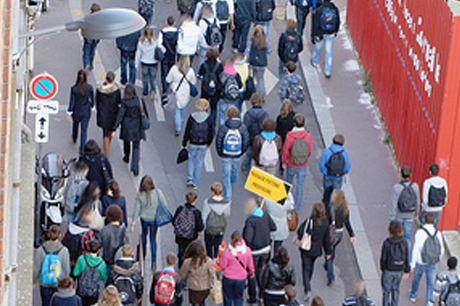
431 250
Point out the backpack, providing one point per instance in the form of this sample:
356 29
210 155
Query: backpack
88 284
51 270
291 48
336 164
74 192
222 10
209 84
184 225
185 6
74 244
231 89
436 196
295 93
396 257
199 131
126 289
213 36
250 88
264 9
431 249
407 201
233 144
146 7
299 151
361 300
257 57
255 125
165 288
269 155
328 19
215 224
452 295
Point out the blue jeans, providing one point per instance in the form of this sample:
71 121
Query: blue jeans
149 228
407 227
233 290
265 25
330 261
223 105
247 160
390 286
437 214
178 118
127 58
230 175
329 184
195 153
83 121
149 76
202 55
328 40
430 271
240 34
89 51
258 75
46 293
301 14
301 174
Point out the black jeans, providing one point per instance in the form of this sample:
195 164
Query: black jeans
240 34
165 67
136 154
212 244
273 299
181 250
308 263
46 293
301 14
223 31
83 122
259 263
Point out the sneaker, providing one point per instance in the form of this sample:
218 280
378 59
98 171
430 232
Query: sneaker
152 95
190 184
313 64
328 76
164 100
412 299
176 134
234 50
126 159
251 302
307 296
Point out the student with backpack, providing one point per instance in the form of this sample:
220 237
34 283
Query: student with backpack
253 121
168 39
290 44
405 203
209 72
447 287
394 263
66 294
211 37
232 142
113 235
290 295
73 190
51 263
434 194
187 223
126 276
264 14
230 85
302 9
216 210
257 53
284 124
91 270
266 148
334 163
326 23
427 252
199 131
166 289
146 10
296 152
245 15
128 47
291 85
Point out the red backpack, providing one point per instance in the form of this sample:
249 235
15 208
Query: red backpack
165 287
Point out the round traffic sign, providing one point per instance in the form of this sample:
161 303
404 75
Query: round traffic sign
44 87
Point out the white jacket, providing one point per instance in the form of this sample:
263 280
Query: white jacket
419 240
183 92
437 182
146 52
189 36
278 214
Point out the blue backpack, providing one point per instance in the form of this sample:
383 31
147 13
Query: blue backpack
51 270
233 143
328 19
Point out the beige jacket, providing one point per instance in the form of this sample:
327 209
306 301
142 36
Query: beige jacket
199 278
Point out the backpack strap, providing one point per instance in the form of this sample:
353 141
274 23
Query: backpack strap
428 233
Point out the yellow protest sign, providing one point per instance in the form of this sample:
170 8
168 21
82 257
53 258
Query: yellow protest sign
266 185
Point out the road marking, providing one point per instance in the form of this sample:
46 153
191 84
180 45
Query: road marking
244 109
270 81
158 107
77 12
208 164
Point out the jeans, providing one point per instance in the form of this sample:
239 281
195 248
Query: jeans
195 153
46 293
407 227
330 261
89 51
230 175
233 290
390 286
430 271
259 263
437 214
329 184
182 245
165 67
212 244
328 40
240 34
149 76
135 156
202 55
223 105
83 121
127 58
301 174
258 75
308 263
149 228
265 25
178 118
247 160
301 14
223 31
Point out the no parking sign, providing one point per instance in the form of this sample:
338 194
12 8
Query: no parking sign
44 87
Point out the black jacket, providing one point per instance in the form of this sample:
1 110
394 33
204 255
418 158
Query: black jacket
127 268
199 129
256 231
245 10
284 125
199 226
276 278
130 118
211 65
284 38
177 298
95 172
128 43
80 105
170 38
385 256
253 121
108 101
65 297
320 238
316 30
232 124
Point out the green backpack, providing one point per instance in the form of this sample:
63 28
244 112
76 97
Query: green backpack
215 224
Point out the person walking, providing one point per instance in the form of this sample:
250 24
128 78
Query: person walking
434 194
229 87
110 297
80 105
113 235
266 148
238 266
189 37
66 294
326 24
317 226
284 124
209 72
359 296
128 46
100 169
257 53
290 85
130 118
199 131
444 282
394 263
245 15
90 204
160 297
180 77
168 39
145 207
200 272
232 141
145 9
114 196
427 252
297 149
211 37
278 213
302 9
108 101
290 44
89 45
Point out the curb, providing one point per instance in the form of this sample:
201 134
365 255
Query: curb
321 104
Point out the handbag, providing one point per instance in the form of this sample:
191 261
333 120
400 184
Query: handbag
182 156
105 172
216 292
332 229
305 242
193 90
97 222
292 220
159 54
163 215
145 122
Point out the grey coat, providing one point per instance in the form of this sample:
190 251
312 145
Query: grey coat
394 211
278 214
51 247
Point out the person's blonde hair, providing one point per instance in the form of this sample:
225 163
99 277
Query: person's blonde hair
127 250
183 64
286 108
216 188
291 24
202 105
148 35
110 297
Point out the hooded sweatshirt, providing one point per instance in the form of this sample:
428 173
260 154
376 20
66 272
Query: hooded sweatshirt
55 247
256 231
65 297
92 261
259 141
232 268
291 136
217 204
199 129
327 153
386 258
127 267
287 80
437 182
189 36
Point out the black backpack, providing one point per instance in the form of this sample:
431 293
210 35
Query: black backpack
222 10
126 289
75 245
199 131
336 164
231 90
213 35
407 201
452 295
396 257
291 48
264 10
436 196
257 57
209 83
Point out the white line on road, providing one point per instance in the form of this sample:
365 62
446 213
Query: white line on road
158 108
208 164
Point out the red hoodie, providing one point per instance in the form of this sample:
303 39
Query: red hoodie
291 136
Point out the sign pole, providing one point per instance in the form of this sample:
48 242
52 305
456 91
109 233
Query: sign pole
39 196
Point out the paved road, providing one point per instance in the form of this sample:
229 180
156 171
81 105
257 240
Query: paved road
60 55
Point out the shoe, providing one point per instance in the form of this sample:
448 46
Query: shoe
244 171
330 284
126 159
307 296
176 134
313 64
234 50
413 300
164 100
328 76
136 173
154 268
152 95
189 183
124 83
74 140
252 302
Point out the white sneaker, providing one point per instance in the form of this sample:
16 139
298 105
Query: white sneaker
307 296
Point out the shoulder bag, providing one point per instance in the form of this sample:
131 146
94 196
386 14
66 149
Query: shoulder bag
305 242
193 89
332 228
163 216
97 222
145 123
105 172
292 220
